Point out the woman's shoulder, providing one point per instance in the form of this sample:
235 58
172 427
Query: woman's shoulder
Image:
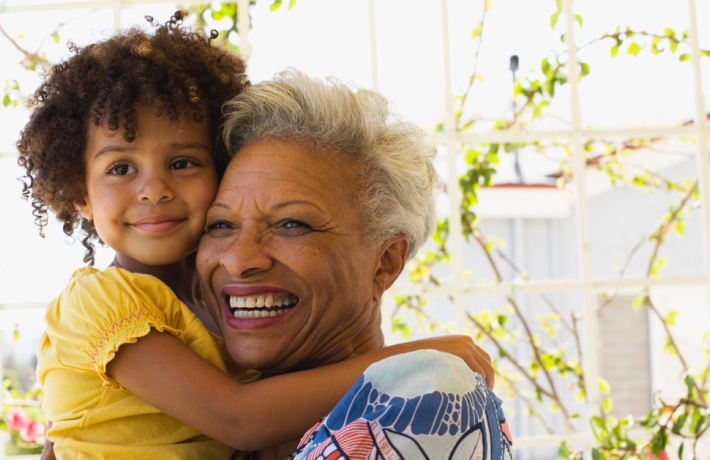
423 371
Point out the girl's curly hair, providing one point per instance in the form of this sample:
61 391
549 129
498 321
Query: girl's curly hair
172 68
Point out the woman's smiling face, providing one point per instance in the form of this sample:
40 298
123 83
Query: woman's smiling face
285 260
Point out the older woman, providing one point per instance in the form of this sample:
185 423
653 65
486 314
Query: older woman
326 197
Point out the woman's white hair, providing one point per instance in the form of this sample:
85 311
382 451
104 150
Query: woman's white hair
392 156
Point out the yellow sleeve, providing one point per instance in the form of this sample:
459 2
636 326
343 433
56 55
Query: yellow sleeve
100 311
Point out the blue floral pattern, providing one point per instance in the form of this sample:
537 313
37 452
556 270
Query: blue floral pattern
423 405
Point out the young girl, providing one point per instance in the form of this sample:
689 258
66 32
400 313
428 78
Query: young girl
120 144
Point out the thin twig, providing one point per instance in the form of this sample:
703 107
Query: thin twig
523 321
30 58
528 403
507 355
475 65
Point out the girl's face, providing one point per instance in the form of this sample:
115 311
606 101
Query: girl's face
148 198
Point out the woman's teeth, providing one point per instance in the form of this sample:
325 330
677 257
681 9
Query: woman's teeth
258 313
251 307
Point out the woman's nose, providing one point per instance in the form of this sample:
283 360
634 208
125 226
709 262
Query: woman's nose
156 189
247 255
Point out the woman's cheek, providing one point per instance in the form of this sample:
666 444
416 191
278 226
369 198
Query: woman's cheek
208 255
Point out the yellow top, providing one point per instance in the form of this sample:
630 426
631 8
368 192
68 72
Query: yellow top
93 416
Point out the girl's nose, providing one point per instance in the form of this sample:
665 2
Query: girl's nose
156 189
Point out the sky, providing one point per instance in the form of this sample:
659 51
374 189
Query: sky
332 38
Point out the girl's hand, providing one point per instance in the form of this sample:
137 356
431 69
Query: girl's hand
458 345
48 451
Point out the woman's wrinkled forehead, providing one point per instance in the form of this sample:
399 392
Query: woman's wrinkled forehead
280 170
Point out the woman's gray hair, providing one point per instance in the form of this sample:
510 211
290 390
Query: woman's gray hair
397 173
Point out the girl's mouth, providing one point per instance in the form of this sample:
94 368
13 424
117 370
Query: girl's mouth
265 305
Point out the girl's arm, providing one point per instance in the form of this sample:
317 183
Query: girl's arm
166 373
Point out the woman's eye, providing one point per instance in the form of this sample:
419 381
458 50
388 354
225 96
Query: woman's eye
217 225
182 164
219 228
296 227
122 170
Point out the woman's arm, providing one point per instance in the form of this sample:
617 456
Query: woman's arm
166 373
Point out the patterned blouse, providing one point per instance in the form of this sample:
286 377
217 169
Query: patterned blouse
423 405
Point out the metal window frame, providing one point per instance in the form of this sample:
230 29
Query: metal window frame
587 285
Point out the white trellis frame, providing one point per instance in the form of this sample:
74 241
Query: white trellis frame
451 138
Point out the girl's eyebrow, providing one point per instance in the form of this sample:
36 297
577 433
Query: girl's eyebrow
176 146
113 148
189 145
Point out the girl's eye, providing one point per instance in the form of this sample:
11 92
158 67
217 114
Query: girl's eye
122 170
182 164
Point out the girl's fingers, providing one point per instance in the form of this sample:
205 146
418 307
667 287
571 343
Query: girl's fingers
485 360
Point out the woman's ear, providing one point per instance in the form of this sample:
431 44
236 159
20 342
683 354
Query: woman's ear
392 260
83 206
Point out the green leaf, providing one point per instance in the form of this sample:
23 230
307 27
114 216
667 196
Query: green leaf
634 49
598 421
673 44
638 301
545 65
614 51
291 4
55 36
579 19
680 422
585 69
538 109
553 20
607 404
680 450
596 455
276 5
669 347
217 15
654 45
668 32
604 386
679 228
6 101
684 57
476 32
563 451
699 424
659 441
690 385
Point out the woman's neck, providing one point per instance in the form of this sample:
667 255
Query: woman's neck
181 277
366 338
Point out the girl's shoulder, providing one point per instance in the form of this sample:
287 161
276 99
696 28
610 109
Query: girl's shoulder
113 280
111 273
83 272
114 294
